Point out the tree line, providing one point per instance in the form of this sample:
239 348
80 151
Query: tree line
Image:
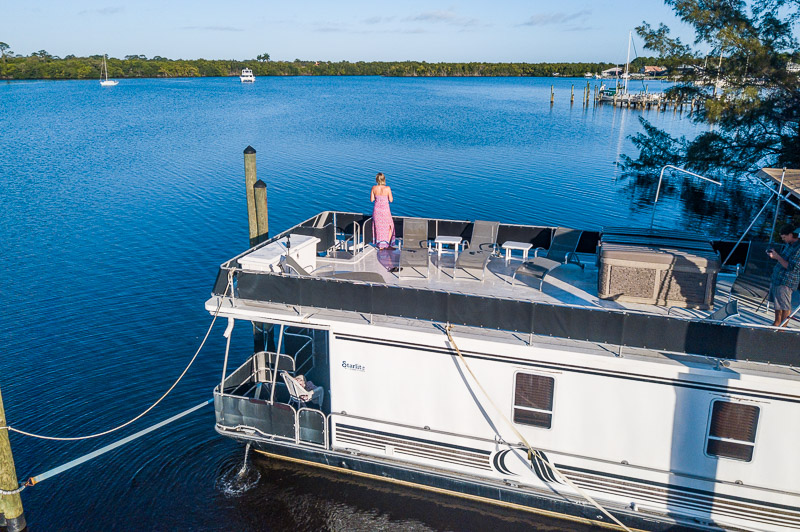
41 65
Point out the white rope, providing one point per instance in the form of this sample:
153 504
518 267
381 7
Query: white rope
97 435
531 450
13 492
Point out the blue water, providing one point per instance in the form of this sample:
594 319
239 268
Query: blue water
118 205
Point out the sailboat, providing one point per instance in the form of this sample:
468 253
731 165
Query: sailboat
104 73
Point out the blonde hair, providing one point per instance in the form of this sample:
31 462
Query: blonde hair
380 178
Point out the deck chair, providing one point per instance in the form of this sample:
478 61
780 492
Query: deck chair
729 310
295 391
752 284
561 251
414 255
367 277
482 246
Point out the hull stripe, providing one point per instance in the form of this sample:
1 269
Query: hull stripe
405 483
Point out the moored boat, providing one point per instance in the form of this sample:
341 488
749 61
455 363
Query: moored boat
247 76
586 373
104 81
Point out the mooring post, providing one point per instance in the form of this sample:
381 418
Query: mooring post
552 97
12 517
262 213
257 217
249 182
572 94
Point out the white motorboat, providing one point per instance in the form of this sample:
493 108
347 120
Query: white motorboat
247 76
104 81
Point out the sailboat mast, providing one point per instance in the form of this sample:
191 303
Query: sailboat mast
628 60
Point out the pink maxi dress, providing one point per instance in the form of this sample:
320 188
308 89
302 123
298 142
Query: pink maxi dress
382 223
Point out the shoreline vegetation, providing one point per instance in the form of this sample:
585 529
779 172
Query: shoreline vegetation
41 65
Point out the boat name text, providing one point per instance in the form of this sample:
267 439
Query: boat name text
355 367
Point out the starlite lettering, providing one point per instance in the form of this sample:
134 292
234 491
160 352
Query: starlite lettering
355 367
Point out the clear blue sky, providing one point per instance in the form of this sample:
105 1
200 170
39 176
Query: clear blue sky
374 30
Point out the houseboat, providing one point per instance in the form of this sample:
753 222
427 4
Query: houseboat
628 378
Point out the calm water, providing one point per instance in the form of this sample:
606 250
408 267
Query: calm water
119 204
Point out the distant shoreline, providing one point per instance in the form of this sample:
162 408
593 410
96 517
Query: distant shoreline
38 67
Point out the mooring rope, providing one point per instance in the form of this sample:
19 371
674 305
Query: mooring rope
531 450
94 454
98 434
14 492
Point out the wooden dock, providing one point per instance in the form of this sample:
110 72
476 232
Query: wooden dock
639 100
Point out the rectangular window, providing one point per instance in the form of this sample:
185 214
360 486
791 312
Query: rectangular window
732 430
533 400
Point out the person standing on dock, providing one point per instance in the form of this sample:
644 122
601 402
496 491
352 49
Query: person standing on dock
382 222
785 275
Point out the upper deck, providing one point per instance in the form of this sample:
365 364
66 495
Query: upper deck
341 269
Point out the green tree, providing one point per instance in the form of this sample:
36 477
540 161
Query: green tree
263 58
4 51
748 95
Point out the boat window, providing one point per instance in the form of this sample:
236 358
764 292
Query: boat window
732 430
533 400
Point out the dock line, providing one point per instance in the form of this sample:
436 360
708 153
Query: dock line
98 434
531 450
94 454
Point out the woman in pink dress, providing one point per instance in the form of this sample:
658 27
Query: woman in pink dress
382 223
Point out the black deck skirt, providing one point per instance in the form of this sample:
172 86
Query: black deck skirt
593 325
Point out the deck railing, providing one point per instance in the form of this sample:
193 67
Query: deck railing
239 407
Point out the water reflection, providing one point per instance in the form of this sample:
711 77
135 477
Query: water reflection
684 202
299 497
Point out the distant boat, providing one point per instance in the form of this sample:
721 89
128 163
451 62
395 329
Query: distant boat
104 81
247 76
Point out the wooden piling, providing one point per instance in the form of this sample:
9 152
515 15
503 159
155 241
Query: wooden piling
249 182
552 95
572 94
257 218
262 213
12 516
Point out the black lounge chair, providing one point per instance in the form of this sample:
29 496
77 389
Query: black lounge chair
367 277
414 255
728 310
752 284
561 251
482 246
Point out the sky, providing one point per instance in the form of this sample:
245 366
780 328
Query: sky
325 30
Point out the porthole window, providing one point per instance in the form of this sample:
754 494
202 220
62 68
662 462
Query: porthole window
533 400
732 430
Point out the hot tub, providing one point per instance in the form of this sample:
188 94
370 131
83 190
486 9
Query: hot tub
658 268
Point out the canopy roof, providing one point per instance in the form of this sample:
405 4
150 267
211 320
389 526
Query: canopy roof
791 181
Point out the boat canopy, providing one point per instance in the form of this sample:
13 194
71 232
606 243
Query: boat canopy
789 177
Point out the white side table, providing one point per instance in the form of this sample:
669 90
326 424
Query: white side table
520 246
442 241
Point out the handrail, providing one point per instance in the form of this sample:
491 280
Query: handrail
309 341
661 176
